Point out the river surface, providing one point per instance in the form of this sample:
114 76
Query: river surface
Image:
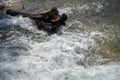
87 48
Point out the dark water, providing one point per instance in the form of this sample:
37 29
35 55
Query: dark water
87 48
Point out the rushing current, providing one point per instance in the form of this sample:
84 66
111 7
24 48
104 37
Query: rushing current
86 48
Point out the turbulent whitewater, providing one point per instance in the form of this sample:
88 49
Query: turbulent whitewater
87 48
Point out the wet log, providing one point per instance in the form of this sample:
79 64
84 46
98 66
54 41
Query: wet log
49 21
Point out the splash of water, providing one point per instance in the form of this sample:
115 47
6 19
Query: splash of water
70 56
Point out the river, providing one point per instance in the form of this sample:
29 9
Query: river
86 48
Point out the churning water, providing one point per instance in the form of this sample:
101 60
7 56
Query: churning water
87 48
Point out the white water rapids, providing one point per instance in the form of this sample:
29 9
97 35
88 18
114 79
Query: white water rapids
63 56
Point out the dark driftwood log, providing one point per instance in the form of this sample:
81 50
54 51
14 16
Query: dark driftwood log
49 21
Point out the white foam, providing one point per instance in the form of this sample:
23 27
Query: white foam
68 10
64 57
25 23
56 59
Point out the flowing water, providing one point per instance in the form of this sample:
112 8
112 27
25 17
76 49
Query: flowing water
87 48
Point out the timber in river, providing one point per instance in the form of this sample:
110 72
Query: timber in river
49 21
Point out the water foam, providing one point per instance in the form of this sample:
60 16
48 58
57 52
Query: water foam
65 57
57 59
97 7
25 23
